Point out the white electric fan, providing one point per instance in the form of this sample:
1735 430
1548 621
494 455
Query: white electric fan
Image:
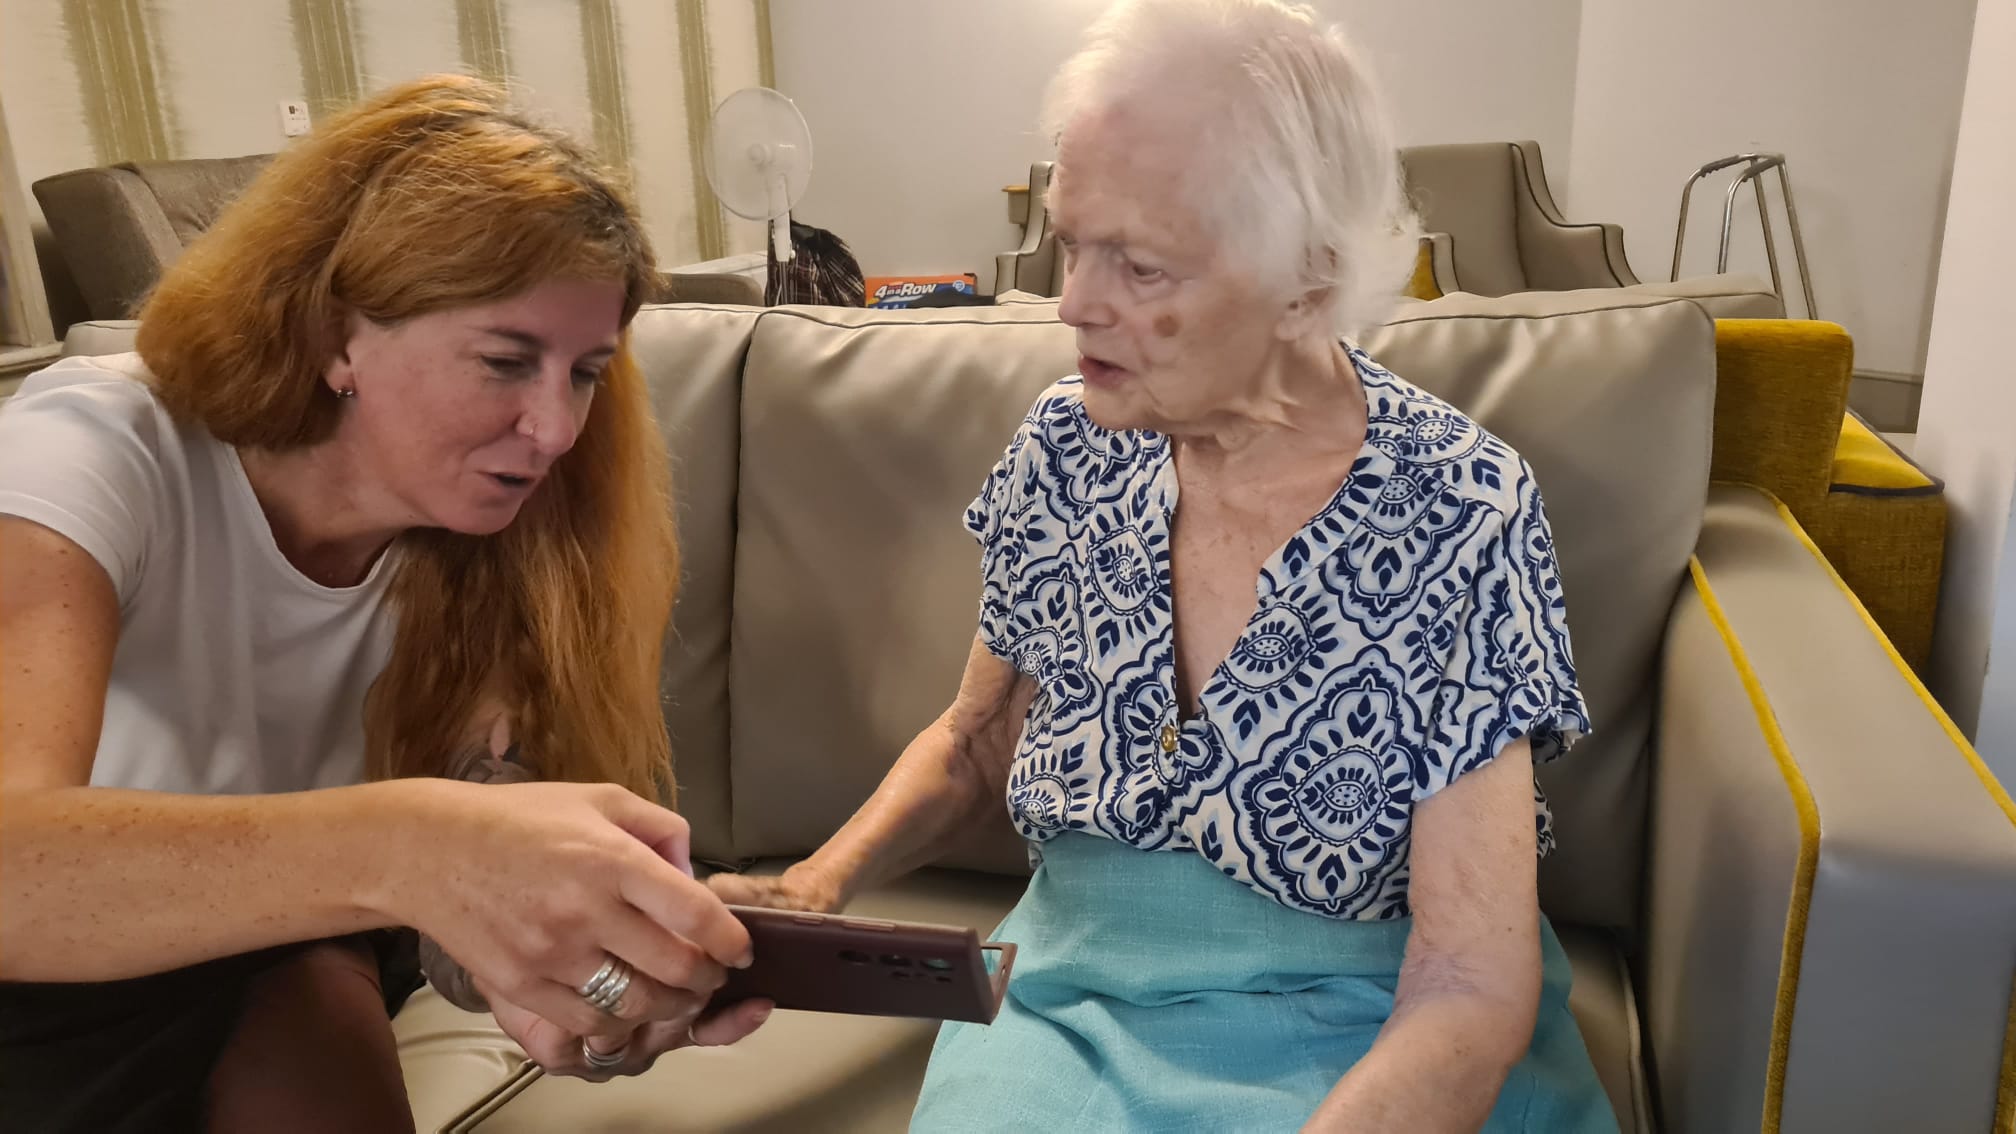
759 160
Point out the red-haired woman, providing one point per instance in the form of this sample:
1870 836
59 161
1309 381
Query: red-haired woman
377 506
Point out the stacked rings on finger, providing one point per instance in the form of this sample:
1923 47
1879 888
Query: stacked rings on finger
603 1061
605 989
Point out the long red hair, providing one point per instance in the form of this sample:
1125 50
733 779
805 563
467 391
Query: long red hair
436 195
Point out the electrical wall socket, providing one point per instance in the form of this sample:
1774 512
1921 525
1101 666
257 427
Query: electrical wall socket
293 118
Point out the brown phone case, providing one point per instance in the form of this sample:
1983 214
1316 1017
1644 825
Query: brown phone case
867 967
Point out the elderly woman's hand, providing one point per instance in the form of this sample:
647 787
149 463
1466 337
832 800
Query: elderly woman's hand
802 887
561 1052
534 888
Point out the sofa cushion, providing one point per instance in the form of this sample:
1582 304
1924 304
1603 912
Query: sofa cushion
865 434
693 356
99 336
194 192
1731 295
1610 398
450 1058
1865 462
806 1071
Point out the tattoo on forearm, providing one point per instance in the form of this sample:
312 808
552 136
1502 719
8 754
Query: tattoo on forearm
479 765
449 979
496 760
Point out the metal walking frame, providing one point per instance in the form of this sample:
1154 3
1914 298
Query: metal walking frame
1755 165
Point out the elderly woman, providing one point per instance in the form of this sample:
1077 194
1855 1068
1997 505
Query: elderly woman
379 498
1270 642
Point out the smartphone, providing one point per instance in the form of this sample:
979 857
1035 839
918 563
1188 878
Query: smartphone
869 967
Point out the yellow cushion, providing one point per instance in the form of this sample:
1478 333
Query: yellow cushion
1781 386
1422 284
1882 525
1864 461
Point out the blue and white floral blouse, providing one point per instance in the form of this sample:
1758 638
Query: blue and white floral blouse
1413 628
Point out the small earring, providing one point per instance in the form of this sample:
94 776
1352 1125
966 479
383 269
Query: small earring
347 392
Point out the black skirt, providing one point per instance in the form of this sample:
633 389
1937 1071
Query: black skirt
134 1056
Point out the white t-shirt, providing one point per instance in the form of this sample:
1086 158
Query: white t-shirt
234 673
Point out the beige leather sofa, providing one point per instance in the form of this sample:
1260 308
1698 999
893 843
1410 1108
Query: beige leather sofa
1787 887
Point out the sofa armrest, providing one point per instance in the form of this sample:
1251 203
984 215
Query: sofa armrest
1032 267
1781 387
1831 902
1556 255
1569 257
113 234
1731 295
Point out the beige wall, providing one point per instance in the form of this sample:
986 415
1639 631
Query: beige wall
921 112
85 82
1965 433
1863 98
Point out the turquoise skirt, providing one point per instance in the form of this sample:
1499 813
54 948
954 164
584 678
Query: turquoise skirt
1153 993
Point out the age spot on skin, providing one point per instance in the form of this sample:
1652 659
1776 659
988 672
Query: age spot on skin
1167 326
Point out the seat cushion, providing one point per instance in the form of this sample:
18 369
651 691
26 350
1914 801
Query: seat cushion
1864 462
804 1071
99 336
1731 295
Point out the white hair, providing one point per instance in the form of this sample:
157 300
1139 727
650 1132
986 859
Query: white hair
1298 175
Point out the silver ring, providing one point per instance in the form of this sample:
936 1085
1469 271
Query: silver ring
604 1060
601 977
612 993
605 989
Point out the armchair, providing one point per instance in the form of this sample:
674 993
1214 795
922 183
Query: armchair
117 227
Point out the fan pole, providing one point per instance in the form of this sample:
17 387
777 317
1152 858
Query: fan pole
780 219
